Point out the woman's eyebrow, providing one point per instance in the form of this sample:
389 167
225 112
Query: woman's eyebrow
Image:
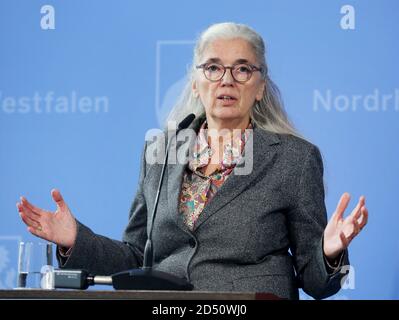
218 60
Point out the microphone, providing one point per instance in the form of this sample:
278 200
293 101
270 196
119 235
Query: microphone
148 250
147 278
185 122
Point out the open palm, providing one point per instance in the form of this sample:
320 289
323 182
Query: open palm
58 226
341 231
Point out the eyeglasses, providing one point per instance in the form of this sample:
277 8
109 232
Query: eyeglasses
240 72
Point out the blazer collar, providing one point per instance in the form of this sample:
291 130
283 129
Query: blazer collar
263 146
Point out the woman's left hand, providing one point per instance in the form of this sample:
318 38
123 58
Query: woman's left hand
340 232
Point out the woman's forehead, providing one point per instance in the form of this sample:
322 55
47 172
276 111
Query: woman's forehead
229 51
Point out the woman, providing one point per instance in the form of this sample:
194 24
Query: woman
263 231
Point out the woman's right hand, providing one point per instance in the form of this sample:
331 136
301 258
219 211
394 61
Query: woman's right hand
58 227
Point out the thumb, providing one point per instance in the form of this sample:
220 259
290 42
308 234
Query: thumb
58 198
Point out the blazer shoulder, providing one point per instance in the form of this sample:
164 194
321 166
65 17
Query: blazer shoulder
290 143
299 151
297 143
293 151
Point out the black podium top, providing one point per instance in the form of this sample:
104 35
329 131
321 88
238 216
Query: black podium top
133 295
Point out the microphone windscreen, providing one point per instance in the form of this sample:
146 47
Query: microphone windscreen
186 121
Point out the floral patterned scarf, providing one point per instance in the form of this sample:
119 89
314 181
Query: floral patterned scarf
197 188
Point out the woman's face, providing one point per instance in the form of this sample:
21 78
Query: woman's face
237 108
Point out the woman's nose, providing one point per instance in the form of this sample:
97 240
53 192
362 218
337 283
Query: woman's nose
227 78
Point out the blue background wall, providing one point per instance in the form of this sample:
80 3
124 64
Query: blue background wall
134 54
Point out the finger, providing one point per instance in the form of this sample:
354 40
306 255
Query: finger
345 241
27 217
29 222
38 232
352 228
33 208
365 216
356 212
342 205
356 228
57 197
28 213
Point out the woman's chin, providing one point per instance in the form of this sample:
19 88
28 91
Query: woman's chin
227 113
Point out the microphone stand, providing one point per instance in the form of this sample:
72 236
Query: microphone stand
147 278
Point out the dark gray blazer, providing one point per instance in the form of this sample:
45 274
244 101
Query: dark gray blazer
261 232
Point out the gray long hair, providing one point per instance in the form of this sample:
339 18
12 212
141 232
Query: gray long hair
268 113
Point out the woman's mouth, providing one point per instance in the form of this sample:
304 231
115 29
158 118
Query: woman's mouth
226 100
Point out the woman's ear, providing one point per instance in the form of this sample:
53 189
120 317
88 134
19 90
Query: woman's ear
261 90
195 89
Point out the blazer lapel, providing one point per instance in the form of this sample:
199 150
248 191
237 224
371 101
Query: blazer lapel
175 172
263 154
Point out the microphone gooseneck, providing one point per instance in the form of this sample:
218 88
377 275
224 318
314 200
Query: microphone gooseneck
145 278
148 250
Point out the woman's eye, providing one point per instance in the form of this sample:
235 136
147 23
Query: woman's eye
243 69
213 68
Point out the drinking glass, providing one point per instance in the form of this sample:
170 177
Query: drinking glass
35 262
